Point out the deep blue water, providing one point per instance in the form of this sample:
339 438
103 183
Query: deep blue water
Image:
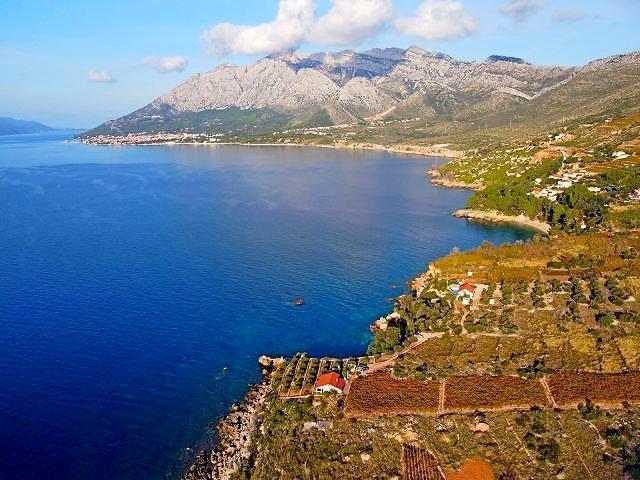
131 276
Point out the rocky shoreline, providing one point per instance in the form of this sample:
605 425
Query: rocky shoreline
233 451
438 150
496 217
448 182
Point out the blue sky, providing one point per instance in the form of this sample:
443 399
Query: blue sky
78 63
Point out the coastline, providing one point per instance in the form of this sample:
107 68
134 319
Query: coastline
447 182
233 451
438 150
235 431
496 217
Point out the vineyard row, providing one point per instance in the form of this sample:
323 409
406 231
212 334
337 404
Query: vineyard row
380 393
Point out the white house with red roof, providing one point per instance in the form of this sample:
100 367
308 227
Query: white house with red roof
330 382
466 292
466 289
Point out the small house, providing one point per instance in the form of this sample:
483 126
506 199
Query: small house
466 289
465 293
330 382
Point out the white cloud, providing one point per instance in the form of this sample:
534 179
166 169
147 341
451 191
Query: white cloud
350 21
100 76
167 64
346 22
287 30
438 20
569 16
521 10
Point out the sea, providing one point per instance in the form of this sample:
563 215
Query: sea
140 284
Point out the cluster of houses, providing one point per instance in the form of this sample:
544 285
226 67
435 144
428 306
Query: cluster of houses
151 138
635 195
563 180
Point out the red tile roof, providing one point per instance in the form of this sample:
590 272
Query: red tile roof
468 287
331 378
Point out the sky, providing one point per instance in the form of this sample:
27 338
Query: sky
75 63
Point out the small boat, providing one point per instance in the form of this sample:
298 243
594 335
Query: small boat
299 302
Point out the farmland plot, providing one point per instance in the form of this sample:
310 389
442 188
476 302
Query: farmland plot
571 388
381 394
419 464
464 394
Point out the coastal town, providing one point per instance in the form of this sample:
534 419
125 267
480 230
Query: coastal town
145 138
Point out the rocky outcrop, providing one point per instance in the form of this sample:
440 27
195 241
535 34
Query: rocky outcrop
437 178
613 61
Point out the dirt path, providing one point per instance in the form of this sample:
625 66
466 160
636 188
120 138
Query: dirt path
524 447
422 337
547 391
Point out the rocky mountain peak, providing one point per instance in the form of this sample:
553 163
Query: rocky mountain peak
615 60
348 86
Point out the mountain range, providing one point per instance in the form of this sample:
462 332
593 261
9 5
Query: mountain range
295 89
12 126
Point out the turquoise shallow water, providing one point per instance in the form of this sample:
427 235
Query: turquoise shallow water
130 277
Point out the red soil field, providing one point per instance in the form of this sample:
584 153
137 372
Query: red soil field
492 393
380 394
419 464
571 388
473 470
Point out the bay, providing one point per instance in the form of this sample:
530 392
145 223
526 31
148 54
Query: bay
138 285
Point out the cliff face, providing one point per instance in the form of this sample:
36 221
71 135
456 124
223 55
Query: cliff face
351 86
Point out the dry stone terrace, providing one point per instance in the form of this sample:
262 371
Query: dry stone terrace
296 377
